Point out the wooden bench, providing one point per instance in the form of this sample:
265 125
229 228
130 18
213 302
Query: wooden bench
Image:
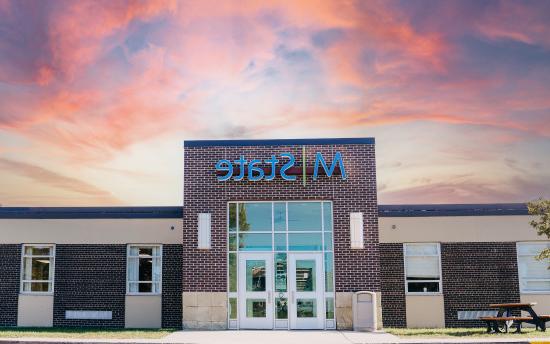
504 318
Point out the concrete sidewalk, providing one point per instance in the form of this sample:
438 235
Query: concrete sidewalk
279 337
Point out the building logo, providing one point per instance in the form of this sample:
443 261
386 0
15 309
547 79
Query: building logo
283 165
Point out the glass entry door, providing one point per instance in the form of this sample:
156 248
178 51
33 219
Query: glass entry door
305 272
256 290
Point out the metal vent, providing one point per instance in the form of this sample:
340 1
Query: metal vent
474 315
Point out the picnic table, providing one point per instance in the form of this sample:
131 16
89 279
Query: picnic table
505 317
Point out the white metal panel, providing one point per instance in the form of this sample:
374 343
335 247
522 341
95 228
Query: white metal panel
356 230
204 231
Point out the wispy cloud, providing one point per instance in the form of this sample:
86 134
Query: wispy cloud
92 83
47 177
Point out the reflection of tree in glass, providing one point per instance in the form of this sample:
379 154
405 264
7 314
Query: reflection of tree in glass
232 217
244 226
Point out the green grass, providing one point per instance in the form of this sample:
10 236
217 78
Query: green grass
12 332
463 332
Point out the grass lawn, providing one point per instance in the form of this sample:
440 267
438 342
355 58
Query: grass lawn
11 332
463 332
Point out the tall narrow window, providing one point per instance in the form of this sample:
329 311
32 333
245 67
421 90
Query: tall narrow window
37 268
144 275
534 276
422 268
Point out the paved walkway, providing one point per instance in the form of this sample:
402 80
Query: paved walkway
279 337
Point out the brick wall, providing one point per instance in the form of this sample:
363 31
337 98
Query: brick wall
393 285
171 286
10 265
90 277
206 270
476 274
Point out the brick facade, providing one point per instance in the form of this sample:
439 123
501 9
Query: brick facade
476 274
10 258
206 270
90 277
171 286
393 285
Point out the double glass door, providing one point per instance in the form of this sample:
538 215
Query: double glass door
305 306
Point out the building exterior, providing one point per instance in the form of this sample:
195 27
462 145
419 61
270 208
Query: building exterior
273 234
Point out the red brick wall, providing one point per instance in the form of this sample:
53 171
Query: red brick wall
203 193
393 285
476 274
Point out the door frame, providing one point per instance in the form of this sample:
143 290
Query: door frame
255 323
319 323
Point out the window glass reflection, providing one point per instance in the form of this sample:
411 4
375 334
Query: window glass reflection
232 217
254 217
280 272
304 216
279 216
327 215
255 242
305 275
255 275
305 242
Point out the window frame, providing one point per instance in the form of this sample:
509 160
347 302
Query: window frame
128 257
440 280
520 279
50 281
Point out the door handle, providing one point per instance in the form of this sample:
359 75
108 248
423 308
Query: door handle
269 296
292 297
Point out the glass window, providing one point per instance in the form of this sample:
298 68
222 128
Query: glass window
255 308
232 241
280 272
255 275
279 216
328 241
38 269
306 308
327 215
255 217
255 242
232 217
282 308
305 242
304 216
280 242
232 272
329 274
330 308
305 275
144 269
534 275
232 308
422 268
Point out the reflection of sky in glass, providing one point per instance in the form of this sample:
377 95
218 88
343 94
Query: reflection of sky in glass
279 216
255 242
327 215
304 242
304 216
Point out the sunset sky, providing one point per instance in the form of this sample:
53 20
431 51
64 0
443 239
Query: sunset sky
96 97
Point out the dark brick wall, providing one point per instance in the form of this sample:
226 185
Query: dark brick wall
90 277
205 270
393 285
476 274
171 286
10 265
